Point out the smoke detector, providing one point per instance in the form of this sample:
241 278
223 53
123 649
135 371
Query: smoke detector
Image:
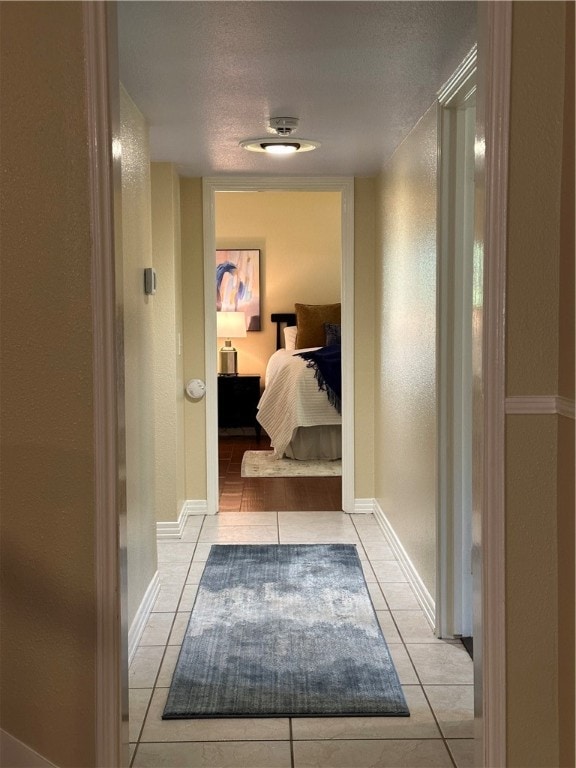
283 127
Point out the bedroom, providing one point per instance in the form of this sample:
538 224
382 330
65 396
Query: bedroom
298 238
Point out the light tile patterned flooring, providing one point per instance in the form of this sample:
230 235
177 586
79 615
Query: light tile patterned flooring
436 675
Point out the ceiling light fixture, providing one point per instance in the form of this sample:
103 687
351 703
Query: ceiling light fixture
283 128
283 148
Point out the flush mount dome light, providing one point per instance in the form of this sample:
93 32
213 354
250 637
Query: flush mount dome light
284 145
284 148
279 146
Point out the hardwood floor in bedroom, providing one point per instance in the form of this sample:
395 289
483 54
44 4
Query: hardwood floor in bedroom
255 494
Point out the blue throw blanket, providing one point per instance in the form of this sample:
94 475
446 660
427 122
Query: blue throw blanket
327 365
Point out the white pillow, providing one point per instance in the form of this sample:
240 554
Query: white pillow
290 337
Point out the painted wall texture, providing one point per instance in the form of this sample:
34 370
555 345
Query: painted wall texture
540 361
138 354
166 303
405 341
48 627
566 443
364 334
193 333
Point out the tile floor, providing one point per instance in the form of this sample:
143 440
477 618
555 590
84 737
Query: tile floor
436 675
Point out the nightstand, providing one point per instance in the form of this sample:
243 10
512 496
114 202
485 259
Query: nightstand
238 398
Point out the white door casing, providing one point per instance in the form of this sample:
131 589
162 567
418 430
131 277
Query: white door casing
488 365
494 32
345 186
456 129
103 129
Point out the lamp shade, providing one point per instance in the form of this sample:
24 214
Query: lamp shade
231 325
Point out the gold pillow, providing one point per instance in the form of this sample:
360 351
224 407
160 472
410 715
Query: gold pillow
310 319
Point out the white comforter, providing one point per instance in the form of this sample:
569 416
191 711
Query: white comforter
292 399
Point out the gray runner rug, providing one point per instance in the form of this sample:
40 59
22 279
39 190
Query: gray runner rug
283 630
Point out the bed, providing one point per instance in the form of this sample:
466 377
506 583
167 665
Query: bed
293 410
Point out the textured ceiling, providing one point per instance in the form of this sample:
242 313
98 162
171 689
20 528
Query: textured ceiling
358 75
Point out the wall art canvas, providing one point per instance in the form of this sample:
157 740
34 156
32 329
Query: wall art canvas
238 284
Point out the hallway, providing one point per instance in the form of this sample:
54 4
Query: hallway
436 675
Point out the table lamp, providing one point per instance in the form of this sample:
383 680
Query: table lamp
230 325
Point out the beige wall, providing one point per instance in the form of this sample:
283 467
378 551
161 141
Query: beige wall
540 361
566 591
299 237
193 333
532 292
364 334
566 460
567 347
48 627
138 354
405 339
531 580
170 490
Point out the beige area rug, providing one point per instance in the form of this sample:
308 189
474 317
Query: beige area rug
263 464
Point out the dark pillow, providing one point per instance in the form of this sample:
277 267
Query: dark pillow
332 331
310 319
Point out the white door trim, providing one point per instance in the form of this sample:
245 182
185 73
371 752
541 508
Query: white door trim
453 340
111 676
495 23
495 43
344 185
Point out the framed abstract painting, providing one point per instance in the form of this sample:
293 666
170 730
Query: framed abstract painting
238 284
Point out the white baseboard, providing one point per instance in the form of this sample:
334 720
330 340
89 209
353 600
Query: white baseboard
15 754
173 529
142 614
363 506
197 507
424 597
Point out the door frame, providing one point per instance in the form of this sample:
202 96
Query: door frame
111 736
345 186
494 55
489 368
454 353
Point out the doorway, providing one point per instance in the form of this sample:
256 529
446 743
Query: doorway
274 248
213 188
497 182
